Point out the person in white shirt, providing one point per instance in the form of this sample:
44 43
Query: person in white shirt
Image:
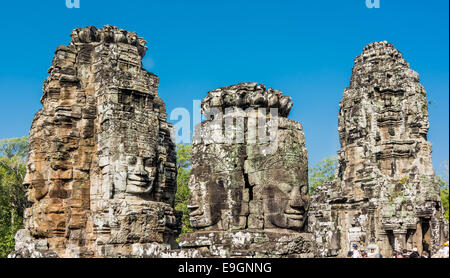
445 250
356 253
373 251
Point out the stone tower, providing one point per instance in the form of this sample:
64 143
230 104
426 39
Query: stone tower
101 168
385 192
249 177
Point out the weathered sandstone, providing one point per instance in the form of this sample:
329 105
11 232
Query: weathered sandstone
385 192
101 167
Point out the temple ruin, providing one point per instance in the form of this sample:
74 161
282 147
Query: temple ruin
101 168
385 192
249 177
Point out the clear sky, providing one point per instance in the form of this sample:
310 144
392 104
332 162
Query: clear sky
303 48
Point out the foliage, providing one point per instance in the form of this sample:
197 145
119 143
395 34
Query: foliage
443 184
12 192
184 159
15 147
322 172
184 156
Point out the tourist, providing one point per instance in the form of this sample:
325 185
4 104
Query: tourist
398 255
356 253
414 254
350 254
425 255
363 254
442 253
445 250
405 253
373 251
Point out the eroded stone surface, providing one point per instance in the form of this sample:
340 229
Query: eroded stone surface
101 167
385 193
248 175
250 244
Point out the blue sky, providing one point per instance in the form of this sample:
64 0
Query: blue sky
303 48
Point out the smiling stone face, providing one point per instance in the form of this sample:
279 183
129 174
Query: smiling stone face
285 205
249 177
206 202
280 180
132 157
216 184
239 184
140 175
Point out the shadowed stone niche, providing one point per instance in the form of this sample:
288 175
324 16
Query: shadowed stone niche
249 180
385 192
101 168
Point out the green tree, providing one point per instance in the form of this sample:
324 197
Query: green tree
443 184
322 172
15 147
184 160
12 192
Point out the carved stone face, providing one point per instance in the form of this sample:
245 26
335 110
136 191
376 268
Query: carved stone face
132 158
140 174
285 205
281 179
207 199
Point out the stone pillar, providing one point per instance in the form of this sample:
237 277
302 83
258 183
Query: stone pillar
400 239
385 246
418 237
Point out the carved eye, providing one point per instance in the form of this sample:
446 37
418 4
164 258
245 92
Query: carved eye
286 188
132 160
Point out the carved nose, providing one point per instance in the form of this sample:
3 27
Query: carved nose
27 180
295 200
139 169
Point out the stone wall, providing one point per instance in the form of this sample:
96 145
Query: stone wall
385 192
101 167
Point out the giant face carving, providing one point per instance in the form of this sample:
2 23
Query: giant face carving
214 183
285 205
131 134
207 199
281 179
140 175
